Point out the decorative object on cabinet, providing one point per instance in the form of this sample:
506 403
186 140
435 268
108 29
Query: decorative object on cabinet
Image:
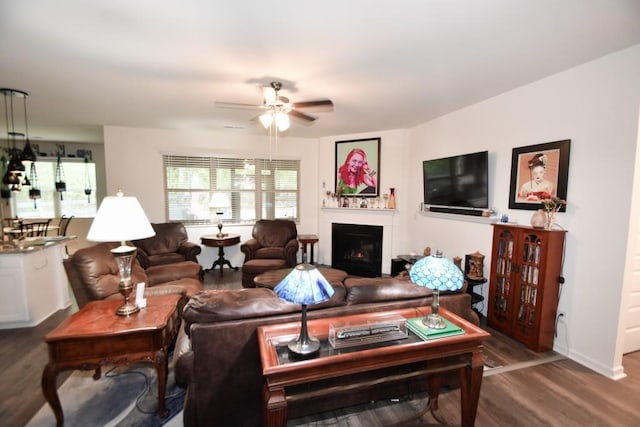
536 170
439 274
551 207
526 273
358 167
538 219
121 219
306 286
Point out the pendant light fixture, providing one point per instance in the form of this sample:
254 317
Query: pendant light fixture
15 168
61 185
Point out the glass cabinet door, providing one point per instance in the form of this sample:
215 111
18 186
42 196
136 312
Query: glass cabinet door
527 296
503 259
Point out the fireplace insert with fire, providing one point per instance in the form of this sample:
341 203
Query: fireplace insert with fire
357 249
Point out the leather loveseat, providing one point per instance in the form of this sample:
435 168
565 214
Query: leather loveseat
221 365
93 275
170 245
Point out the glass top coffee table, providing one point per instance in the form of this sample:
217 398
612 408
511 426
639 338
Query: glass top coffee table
287 379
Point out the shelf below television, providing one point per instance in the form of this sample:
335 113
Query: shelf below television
458 217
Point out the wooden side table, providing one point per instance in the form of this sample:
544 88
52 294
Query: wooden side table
307 239
213 240
95 336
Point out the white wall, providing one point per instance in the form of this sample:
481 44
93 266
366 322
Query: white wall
134 164
596 106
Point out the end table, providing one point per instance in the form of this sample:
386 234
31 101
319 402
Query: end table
213 240
307 239
95 336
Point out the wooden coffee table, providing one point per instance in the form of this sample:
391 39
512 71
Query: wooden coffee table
95 336
461 353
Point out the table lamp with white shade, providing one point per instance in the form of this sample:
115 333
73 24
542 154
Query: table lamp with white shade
120 219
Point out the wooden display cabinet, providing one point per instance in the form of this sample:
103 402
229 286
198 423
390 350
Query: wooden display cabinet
526 265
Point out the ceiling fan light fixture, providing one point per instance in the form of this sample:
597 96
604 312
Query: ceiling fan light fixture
282 121
266 119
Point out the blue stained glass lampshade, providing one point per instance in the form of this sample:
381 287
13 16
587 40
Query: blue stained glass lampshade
437 273
304 285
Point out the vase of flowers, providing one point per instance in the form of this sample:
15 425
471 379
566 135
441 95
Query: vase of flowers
551 205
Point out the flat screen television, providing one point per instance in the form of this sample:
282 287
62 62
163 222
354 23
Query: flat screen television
460 182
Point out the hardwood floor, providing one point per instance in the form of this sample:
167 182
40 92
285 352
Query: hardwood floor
525 388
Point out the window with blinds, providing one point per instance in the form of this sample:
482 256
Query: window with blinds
243 190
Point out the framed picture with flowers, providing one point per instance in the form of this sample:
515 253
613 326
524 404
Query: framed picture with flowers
539 172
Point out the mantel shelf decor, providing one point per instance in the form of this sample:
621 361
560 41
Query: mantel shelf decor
360 210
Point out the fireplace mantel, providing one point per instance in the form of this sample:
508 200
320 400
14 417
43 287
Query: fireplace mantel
362 210
365 216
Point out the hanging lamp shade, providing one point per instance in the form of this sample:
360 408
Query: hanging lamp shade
28 155
15 164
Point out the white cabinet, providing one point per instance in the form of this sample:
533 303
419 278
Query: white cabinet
33 285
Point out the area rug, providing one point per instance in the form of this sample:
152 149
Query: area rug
122 397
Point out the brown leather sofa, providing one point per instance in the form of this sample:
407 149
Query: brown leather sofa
169 245
93 275
273 246
221 366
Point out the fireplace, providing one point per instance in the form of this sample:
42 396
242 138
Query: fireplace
357 249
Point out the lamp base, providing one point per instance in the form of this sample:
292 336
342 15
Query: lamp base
433 321
301 348
127 309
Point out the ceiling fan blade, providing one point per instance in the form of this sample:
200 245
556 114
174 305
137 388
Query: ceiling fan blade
319 105
237 106
302 116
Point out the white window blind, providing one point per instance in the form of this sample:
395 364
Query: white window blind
242 189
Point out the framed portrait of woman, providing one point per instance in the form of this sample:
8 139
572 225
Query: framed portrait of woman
358 167
539 172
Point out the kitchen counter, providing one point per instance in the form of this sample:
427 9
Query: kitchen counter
33 284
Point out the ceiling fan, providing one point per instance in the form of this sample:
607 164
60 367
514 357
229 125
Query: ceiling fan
278 108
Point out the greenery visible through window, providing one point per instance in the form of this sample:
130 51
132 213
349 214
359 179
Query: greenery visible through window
74 201
244 190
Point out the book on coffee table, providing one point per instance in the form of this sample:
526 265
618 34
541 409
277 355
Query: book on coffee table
416 326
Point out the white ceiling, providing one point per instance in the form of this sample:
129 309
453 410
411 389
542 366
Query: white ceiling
385 64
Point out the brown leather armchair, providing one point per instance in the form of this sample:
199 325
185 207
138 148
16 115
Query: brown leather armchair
93 275
169 245
273 245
